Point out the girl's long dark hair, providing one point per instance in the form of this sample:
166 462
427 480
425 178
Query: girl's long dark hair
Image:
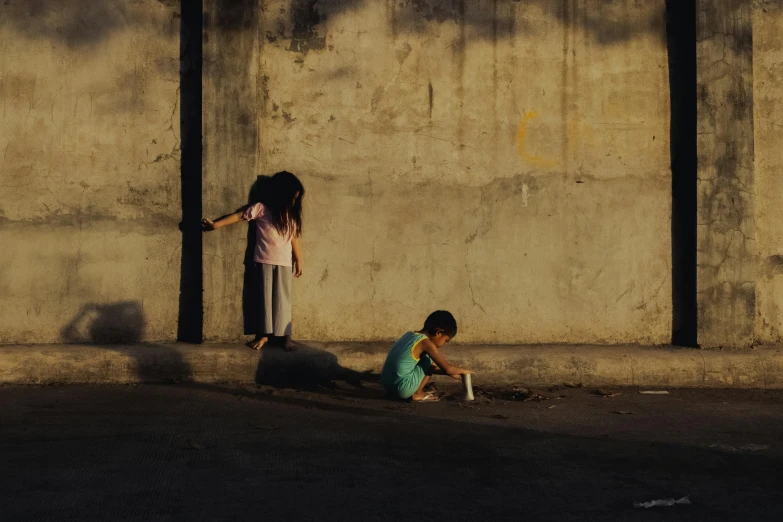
284 205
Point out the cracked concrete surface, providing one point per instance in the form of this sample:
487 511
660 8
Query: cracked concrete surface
726 266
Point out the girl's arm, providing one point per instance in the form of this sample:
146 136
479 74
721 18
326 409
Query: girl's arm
430 349
228 219
297 256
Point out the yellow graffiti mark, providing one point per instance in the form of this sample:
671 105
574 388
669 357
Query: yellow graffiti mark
521 135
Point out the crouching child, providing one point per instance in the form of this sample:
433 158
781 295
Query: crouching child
417 355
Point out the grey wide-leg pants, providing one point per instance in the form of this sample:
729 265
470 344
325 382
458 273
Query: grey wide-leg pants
273 288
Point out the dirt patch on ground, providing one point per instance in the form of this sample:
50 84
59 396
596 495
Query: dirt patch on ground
490 394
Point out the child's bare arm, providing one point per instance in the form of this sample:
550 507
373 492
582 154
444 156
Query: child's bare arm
228 219
297 256
447 368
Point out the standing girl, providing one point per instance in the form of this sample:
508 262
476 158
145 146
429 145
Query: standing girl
277 256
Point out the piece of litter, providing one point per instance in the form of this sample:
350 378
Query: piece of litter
666 502
620 412
754 447
606 394
550 407
535 396
744 447
517 393
572 385
654 392
498 416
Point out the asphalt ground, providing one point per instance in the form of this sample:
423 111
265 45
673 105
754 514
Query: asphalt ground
344 452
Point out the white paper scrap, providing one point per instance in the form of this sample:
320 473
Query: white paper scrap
666 502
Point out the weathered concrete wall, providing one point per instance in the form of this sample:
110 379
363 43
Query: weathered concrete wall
89 170
768 124
506 160
233 91
726 249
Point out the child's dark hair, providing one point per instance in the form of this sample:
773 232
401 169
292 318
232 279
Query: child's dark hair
440 320
280 197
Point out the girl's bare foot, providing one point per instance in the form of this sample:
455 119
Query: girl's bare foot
257 344
290 346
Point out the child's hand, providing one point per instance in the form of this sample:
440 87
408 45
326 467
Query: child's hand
297 269
456 372
207 225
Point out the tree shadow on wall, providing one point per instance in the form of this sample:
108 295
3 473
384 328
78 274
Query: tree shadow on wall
606 21
78 23
113 325
88 23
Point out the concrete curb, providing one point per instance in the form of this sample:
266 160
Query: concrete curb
532 365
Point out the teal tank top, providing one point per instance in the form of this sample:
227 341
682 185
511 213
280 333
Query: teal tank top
400 362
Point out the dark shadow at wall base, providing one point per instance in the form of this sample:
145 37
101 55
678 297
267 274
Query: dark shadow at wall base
116 325
306 368
681 48
251 307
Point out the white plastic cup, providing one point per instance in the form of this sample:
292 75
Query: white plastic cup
467 387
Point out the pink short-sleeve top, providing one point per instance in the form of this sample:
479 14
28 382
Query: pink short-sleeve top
272 247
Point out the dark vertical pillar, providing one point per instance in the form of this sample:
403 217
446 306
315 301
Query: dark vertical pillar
191 310
681 46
